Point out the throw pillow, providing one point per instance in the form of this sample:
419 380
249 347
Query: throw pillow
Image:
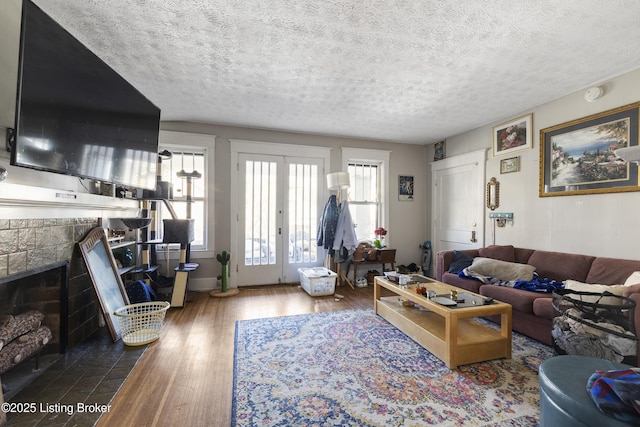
633 279
460 261
502 270
503 253
575 285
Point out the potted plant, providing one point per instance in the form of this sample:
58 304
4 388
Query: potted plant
380 232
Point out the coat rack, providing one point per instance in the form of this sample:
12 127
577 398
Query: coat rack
338 181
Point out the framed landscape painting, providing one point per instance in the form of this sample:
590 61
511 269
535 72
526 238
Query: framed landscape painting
578 157
513 136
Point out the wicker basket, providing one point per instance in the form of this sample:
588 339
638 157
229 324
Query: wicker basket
141 323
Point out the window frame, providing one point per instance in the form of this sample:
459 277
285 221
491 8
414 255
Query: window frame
179 198
185 142
381 158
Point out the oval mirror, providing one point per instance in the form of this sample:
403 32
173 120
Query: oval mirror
493 193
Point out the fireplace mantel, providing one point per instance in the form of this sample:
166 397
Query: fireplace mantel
25 201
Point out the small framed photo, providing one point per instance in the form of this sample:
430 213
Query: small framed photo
405 188
513 136
509 165
438 151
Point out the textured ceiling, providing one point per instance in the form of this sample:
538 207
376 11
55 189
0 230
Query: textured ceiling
414 71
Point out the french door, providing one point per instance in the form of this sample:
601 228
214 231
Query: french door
279 204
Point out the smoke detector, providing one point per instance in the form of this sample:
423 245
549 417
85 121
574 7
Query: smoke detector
593 93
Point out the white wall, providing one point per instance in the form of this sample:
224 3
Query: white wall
595 224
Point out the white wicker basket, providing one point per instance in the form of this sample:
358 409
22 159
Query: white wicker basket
141 323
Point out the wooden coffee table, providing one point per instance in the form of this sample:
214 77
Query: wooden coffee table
450 333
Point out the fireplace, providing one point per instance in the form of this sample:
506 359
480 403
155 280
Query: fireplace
31 245
43 290
41 268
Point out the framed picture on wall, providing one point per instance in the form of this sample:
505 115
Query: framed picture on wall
509 165
405 188
578 157
438 153
513 136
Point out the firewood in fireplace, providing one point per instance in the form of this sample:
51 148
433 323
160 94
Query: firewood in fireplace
21 348
14 326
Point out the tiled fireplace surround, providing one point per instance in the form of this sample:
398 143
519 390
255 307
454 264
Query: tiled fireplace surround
27 244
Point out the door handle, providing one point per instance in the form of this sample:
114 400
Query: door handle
279 230
473 237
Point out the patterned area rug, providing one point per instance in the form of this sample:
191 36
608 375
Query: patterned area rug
353 368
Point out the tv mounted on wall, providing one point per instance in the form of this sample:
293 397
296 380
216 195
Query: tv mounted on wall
75 115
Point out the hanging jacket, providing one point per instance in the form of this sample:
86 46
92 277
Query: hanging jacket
345 238
328 223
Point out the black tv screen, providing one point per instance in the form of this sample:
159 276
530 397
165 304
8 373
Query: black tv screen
75 115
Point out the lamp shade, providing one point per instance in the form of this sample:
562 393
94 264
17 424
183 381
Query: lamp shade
338 181
628 154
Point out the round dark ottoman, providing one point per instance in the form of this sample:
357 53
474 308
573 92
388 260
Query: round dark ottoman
564 399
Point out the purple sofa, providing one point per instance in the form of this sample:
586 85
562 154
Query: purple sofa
532 311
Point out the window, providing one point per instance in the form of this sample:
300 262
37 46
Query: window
364 198
367 195
189 201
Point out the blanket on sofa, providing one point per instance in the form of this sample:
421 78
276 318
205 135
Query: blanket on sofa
509 274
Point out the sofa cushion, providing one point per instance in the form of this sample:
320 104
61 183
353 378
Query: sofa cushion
444 258
503 253
502 270
561 266
520 300
467 284
610 271
522 255
543 307
460 261
630 290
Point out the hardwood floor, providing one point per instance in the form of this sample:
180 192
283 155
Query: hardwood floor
186 377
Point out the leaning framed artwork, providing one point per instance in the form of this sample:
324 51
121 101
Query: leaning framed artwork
104 275
578 157
513 136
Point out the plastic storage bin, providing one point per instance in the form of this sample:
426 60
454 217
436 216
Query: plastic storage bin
318 281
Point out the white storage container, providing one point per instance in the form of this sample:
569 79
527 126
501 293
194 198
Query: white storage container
318 281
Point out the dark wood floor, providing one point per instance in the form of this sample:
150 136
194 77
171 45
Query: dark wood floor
186 377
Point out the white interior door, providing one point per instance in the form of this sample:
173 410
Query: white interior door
277 217
458 202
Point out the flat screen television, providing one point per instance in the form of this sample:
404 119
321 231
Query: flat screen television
75 115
